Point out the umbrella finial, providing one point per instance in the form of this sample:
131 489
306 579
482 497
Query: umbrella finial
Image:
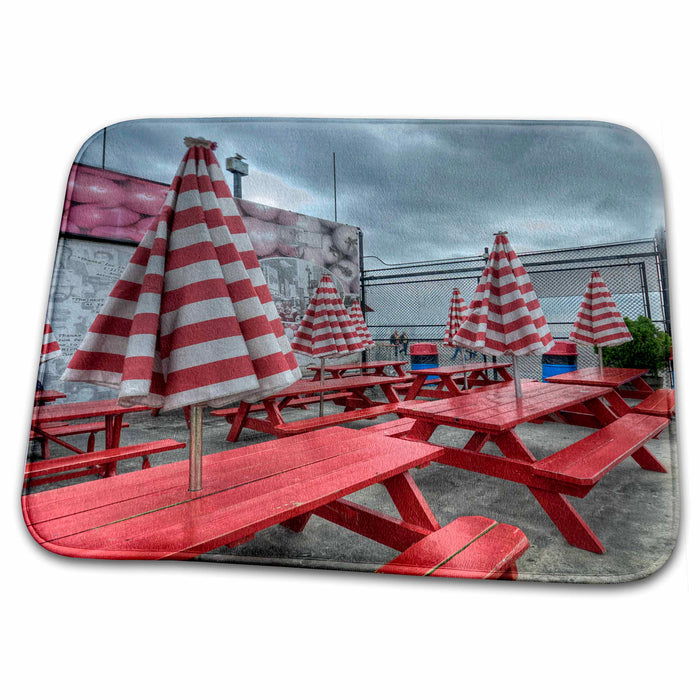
199 141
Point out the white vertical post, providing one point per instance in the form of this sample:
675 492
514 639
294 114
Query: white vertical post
323 374
516 378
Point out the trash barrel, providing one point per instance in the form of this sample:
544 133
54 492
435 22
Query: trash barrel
563 357
424 356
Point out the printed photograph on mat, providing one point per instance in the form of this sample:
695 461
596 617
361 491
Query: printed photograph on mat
434 348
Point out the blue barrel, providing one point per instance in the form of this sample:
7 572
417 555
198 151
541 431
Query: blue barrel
562 358
424 356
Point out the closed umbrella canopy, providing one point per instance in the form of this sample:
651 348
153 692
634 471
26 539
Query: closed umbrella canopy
360 326
456 316
191 321
326 329
50 348
505 315
598 321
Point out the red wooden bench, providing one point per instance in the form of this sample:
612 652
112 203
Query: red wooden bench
68 429
468 547
661 403
50 470
301 402
309 424
392 428
586 462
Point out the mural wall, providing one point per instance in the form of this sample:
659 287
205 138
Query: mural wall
294 251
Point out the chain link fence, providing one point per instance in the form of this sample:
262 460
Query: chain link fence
414 298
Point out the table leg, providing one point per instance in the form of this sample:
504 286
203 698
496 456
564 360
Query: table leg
238 422
399 370
642 386
451 387
504 374
421 431
390 393
564 516
113 431
618 404
512 446
410 502
415 388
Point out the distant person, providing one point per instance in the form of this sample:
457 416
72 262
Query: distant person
395 341
404 343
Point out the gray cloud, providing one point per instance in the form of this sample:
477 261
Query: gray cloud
423 189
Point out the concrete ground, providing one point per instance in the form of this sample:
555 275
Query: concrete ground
632 511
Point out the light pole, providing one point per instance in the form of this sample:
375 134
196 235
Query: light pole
239 169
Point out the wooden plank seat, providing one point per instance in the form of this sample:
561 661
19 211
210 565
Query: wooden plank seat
56 469
586 462
68 429
661 403
309 424
468 547
392 428
301 402
405 386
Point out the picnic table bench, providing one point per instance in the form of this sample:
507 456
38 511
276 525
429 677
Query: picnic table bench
492 413
348 391
44 396
79 465
64 429
151 514
661 403
447 379
49 421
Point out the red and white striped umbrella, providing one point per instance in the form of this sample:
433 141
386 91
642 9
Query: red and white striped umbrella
455 316
326 329
50 348
505 315
191 322
598 321
360 326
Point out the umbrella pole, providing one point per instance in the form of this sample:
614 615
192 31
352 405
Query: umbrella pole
195 448
464 362
600 357
516 378
323 374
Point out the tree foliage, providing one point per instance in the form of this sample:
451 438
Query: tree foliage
649 348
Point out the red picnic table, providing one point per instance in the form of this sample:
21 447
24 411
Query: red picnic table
44 417
449 377
493 412
348 391
45 396
613 377
372 368
152 514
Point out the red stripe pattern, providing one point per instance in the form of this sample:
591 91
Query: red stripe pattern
360 326
598 321
49 345
326 329
456 316
505 315
191 321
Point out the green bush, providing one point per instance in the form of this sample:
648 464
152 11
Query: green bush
649 347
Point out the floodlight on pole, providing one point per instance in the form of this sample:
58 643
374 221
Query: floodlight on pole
239 169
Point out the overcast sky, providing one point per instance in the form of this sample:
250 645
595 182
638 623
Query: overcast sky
424 190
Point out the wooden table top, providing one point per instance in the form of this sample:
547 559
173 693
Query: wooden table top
460 369
378 364
150 514
315 386
81 410
496 409
610 376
